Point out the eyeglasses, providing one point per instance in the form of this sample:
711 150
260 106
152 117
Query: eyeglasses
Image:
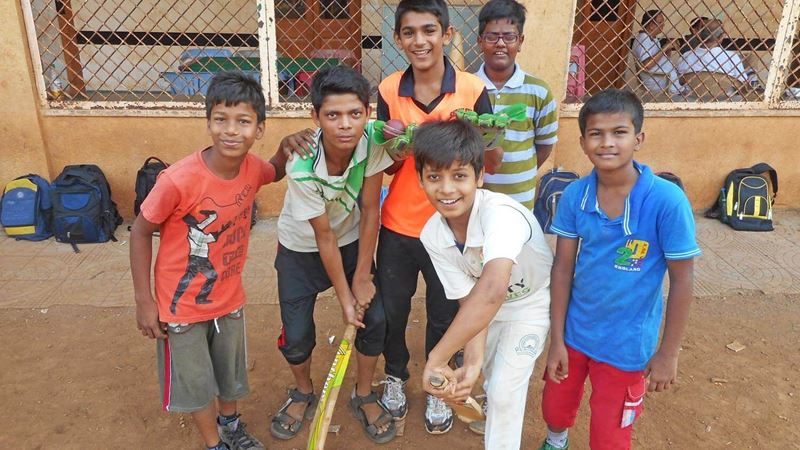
492 38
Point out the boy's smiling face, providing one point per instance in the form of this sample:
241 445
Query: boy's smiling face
422 39
610 140
451 190
342 118
233 129
500 56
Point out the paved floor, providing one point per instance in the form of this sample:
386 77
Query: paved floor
42 274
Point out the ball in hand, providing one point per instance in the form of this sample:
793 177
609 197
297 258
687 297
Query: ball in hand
392 129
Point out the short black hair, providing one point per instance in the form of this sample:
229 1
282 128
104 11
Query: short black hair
698 22
234 87
612 101
439 144
436 7
338 80
649 16
502 9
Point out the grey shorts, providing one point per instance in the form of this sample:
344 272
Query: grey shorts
200 361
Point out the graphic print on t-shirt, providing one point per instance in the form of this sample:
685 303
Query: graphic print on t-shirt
631 255
203 234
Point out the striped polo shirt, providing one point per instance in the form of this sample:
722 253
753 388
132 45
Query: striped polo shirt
516 177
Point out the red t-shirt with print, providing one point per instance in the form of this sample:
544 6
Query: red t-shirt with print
205 228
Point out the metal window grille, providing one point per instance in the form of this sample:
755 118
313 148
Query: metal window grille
163 53
722 49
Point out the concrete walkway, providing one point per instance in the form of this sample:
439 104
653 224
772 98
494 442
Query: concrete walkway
42 274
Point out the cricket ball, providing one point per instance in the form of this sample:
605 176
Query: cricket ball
392 129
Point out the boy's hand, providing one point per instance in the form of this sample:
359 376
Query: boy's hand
147 320
662 371
352 317
439 371
397 147
467 376
493 126
301 143
558 362
363 290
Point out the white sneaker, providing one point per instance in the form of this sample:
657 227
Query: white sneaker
438 416
394 397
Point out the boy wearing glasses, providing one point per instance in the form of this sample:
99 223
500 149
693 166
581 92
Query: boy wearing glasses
527 143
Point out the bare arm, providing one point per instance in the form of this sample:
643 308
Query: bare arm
141 257
560 288
476 310
363 288
279 160
542 153
328 247
493 159
663 367
664 51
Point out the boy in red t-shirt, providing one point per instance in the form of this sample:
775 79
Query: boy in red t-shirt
202 207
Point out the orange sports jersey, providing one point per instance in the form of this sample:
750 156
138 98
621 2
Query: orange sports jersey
205 228
406 208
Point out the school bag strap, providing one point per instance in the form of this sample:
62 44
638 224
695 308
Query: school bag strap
154 158
763 167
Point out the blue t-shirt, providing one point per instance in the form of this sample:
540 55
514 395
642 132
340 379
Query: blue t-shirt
616 306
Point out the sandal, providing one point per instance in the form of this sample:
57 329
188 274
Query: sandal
285 426
371 429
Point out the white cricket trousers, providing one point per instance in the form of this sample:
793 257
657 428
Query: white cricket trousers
511 351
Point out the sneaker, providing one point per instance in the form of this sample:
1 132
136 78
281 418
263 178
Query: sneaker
548 446
394 397
438 416
479 426
236 436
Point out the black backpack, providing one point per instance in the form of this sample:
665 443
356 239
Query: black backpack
672 178
548 193
83 211
745 200
146 179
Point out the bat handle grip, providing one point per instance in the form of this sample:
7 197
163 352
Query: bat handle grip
437 381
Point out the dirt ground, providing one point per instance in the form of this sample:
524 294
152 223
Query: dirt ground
82 377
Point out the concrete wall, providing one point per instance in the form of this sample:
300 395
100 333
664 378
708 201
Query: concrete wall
700 149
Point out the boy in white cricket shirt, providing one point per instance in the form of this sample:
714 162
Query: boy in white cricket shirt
491 256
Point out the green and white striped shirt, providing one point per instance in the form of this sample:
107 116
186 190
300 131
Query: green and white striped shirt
312 192
517 175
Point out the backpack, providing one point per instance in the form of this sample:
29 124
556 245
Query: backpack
548 193
745 200
83 211
671 177
25 208
146 179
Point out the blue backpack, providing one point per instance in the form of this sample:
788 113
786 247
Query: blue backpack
83 211
548 193
25 209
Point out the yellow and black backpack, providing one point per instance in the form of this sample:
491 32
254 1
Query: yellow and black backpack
746 199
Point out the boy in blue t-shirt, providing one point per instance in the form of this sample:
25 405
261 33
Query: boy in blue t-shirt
606 309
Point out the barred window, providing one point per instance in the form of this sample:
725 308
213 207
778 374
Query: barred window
157 54
678 51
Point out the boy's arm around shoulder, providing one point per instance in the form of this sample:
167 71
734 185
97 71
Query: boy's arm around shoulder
141 257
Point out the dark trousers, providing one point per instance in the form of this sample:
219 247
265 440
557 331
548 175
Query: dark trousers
400 259
301 276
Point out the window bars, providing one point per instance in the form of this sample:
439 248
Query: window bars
672 51
163 53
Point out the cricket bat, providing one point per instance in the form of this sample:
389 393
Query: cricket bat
469 411
330 391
